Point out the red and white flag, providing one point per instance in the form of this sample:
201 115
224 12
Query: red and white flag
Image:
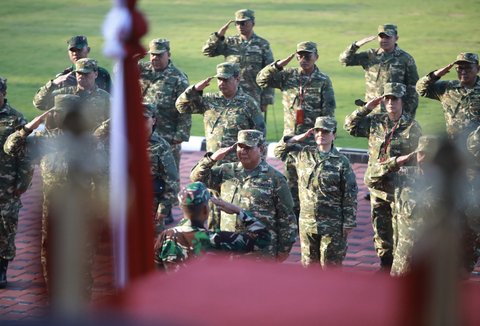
130 179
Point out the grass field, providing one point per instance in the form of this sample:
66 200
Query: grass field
33 36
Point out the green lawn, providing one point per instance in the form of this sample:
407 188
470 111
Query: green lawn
33 36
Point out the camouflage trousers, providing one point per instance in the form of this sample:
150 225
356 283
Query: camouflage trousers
322 243
48 248
158 219
381 214
405 231
176 151
9 210
292 181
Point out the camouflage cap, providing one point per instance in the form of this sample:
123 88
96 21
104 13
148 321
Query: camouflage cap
227 70
194 194
77 42
467 57
428 144
3 84
388 29
250 137
244 15
159 46
395 89
148 110
307 47
65 101
326 123
86 65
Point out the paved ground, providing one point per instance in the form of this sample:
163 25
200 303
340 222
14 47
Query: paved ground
25 296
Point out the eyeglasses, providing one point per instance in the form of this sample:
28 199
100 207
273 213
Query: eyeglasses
464 68
305 56
241 23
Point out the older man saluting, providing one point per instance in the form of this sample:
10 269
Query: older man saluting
256 187
225 112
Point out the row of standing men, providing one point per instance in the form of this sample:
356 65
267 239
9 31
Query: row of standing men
307 95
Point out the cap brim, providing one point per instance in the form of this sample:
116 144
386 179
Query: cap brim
242 19
385 33
464 61
76 47
157 52
84 71
309 51
249 144
225 76
392 94
323 128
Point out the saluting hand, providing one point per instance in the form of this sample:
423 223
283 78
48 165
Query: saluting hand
365 40
60 79
284 62
373 103
443 71
222 152
299 138
402 160
223 29
32 125
200 86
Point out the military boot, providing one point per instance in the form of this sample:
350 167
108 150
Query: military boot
3 273
386 263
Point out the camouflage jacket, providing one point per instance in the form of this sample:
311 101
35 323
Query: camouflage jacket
103 79
223 118
15 171
163 168
473 145
262 191
327 185
413 189
461 106
251 55
162 88
58 154
386 139
381 68
314 94
177 245
97 101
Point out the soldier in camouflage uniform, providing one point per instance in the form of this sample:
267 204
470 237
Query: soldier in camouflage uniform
460 98
67 157
307 95
96 101
162 83
189 239
78 49
225 112
248 50
473 208
387 64
389 134
15 175
164 170
328 193
255 186
166 180
414 202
